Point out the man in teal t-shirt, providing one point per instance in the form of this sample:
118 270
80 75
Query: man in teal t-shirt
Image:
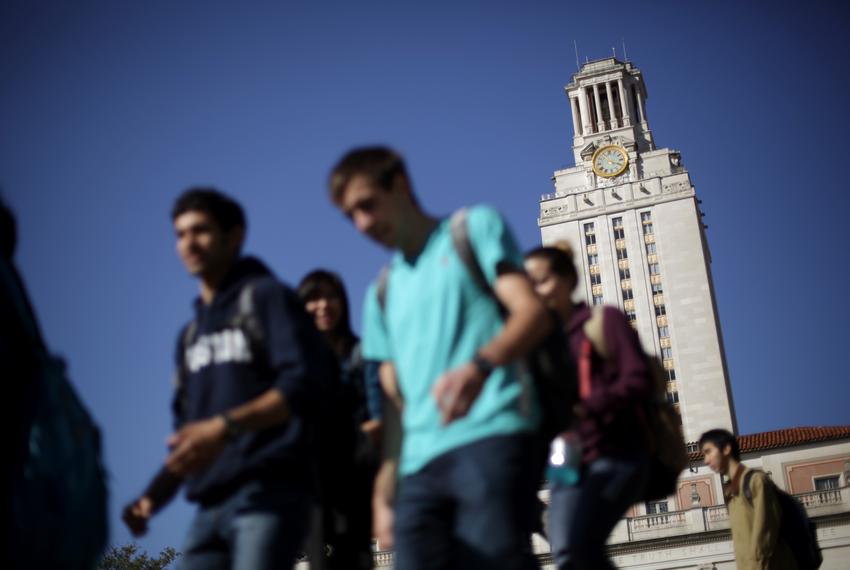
468 463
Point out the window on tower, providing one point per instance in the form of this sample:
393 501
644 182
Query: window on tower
589 234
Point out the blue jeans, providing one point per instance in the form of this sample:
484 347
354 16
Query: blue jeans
581 517
255 528
472 507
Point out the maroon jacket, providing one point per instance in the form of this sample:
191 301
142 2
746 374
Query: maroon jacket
613 425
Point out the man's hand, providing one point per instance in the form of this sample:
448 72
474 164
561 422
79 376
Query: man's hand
137 514
456 391
195 446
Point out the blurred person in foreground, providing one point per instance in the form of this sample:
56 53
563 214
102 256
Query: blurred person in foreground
56 495
249 367
608 442
467 470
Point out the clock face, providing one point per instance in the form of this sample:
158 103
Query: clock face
610 161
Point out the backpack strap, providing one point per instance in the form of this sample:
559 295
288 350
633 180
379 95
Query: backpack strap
381 287
748 492
460 239
584 370
248 320
594 330
595 340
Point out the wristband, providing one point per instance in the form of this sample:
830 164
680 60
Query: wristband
232 430
484 366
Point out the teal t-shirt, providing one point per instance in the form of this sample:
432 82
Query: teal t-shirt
435 319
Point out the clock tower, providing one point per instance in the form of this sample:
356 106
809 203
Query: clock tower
631 214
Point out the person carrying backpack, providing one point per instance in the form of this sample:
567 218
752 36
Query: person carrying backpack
755 512
467 469
601 466
251 367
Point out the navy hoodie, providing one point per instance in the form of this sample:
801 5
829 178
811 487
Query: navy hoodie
223 365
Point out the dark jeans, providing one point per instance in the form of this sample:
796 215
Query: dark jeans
581 517
256 528
472 507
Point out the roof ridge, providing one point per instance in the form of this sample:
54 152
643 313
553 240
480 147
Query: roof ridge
783 437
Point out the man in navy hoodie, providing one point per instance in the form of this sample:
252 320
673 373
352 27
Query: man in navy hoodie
249 367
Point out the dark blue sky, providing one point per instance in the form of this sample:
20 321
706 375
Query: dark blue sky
109 109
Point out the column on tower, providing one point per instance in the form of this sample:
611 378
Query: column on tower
576 118
641 107
611 114
600 124
586 121
624 104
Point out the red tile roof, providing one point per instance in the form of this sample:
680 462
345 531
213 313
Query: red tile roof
788 437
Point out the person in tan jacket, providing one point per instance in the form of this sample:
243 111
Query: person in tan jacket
755 523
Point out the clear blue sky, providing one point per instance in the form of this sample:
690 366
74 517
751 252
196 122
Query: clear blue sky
109 109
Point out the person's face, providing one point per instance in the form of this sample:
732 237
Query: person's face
202 246
375 212
556 291
325 306
715 458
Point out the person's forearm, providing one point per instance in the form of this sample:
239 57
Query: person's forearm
162 488
266 410
392 405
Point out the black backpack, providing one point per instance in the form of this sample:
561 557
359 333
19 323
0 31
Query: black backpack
59 502
795 527
550 363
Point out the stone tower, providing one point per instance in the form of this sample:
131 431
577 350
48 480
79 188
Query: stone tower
631 214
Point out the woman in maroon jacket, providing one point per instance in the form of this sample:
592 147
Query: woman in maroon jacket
609 432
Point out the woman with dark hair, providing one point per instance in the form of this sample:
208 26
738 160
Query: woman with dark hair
343 531
325 299
608 441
